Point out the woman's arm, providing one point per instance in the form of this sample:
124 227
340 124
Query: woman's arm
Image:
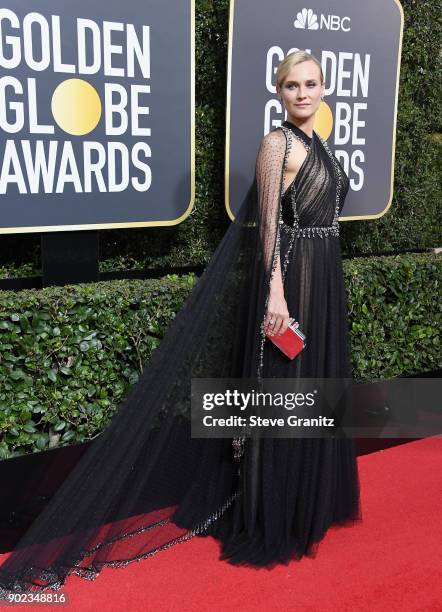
269 168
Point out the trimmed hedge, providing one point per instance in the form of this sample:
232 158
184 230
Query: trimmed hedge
395 310
69 355
409 223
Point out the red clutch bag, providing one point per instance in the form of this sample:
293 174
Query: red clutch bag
291 342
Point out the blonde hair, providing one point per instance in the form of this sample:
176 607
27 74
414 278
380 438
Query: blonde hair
296 57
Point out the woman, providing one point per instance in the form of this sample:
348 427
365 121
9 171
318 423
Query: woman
145 484
314 481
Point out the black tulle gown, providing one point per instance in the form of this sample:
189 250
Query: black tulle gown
298 487
144 484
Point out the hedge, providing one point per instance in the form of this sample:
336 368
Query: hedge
69 355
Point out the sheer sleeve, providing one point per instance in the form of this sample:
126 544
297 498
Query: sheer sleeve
270 165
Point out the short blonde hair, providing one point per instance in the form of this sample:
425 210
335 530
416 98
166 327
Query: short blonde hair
296 57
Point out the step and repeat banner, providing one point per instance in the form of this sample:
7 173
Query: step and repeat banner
359 46
96 114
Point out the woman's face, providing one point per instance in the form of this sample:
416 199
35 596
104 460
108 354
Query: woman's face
301 90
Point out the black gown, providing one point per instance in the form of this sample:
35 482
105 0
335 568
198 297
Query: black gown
298 487
145 484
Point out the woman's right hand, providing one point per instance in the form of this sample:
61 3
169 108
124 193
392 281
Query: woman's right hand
277 317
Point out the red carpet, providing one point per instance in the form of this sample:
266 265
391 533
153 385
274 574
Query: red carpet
391 561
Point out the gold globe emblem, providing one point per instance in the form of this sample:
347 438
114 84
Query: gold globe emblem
323 120
76 107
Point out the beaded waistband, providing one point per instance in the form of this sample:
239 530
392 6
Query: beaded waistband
311 231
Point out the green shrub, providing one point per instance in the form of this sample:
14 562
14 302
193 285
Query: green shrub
69 355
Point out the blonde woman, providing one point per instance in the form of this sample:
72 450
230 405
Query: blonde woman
296 488
146 484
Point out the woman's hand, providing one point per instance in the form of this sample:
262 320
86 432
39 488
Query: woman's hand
277 318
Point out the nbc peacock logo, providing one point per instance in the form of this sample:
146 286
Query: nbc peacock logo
306 20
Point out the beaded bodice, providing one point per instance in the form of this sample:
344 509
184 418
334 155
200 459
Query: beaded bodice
311 204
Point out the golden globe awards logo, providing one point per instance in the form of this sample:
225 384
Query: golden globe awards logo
60 131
